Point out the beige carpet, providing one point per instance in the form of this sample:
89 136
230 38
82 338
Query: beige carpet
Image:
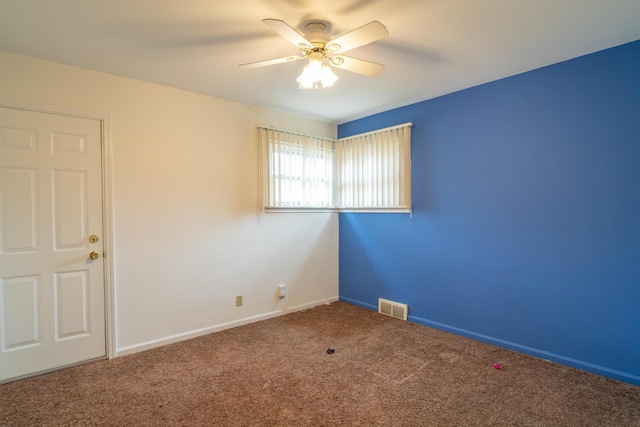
278 373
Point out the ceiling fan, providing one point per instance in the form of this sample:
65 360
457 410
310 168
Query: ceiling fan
321 49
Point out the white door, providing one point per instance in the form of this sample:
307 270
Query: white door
52 310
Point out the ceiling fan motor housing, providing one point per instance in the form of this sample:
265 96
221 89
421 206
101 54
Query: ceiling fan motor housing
316 34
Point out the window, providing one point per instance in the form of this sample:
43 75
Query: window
298 170
367 172
374 170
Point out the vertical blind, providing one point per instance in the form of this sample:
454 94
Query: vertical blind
370 171
374 169
298 170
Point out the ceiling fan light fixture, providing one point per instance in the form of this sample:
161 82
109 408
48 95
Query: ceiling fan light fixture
316 74
316 44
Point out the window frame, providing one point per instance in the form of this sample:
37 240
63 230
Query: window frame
372 145
265 174
293 142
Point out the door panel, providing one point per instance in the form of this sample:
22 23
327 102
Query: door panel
69 209
20 306
52 306
18 196
72 304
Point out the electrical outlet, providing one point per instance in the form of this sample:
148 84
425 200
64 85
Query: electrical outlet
282 291
238 300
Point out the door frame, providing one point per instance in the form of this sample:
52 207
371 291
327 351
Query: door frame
107 200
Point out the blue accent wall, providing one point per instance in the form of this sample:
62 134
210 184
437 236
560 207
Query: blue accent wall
526 224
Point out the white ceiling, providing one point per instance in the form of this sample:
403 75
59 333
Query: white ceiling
434 46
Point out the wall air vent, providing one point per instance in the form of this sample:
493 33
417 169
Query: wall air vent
393 309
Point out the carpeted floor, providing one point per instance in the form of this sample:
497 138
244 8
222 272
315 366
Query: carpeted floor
278 373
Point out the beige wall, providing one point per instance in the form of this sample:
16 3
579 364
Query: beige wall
187 233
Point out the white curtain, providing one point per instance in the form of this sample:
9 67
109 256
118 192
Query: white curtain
297 170
374 169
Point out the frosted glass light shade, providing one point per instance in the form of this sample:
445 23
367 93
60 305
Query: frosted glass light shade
316 74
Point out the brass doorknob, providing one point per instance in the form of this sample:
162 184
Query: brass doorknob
93 238
94 255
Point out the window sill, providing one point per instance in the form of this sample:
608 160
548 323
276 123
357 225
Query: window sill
405 210
298 210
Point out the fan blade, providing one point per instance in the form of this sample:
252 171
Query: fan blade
271 62
357 65
288 33
368 33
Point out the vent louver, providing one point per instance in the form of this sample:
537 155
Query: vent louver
393 309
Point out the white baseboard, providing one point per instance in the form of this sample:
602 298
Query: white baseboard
130 349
